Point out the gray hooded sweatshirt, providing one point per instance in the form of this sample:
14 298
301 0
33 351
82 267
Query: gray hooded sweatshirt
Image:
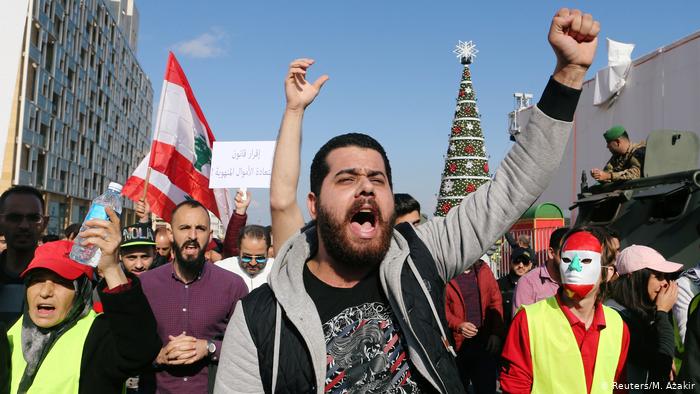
455 242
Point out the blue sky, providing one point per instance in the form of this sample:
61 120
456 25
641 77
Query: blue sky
392 71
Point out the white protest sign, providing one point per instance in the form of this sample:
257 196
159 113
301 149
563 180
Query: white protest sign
241 164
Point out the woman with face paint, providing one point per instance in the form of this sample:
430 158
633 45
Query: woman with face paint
568 343
644 296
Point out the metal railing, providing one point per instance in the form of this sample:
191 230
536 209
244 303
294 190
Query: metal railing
539 242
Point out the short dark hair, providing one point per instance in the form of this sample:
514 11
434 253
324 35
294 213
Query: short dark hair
190 204
255 231
556 237
21 189
404 203
72 229
319 165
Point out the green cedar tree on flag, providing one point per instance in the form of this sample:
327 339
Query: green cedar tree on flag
466 164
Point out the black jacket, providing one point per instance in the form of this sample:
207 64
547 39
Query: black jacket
651 348
121 343
507 285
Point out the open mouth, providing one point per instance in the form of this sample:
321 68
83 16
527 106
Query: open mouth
45 309
191 248
364 222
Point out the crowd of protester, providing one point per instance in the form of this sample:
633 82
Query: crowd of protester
369 296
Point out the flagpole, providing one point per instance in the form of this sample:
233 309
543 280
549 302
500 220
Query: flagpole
145 183
163 91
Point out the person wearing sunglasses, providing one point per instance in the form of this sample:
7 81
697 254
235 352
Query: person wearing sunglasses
253 263
520 264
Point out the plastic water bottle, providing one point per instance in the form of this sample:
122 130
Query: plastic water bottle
90 254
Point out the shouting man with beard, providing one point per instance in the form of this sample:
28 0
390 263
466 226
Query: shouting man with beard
192 301
354 304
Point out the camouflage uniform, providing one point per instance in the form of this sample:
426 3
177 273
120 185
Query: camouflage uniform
627 166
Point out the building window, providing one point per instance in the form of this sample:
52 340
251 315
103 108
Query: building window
31 82
24 158
41 170
49 54
36 35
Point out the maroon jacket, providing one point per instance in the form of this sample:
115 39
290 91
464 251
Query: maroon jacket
491 304
235 224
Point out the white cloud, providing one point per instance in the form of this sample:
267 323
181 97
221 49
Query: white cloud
207 45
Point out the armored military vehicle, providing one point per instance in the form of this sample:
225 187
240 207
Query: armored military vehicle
661 209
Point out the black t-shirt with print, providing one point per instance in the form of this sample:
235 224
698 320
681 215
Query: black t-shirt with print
364 345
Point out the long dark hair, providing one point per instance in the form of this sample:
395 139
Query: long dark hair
631 292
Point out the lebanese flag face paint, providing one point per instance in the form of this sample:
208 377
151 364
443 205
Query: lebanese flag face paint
580 264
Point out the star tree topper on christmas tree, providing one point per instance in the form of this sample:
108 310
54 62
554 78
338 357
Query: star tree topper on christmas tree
466 51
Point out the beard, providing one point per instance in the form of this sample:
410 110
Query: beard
338 244
189 266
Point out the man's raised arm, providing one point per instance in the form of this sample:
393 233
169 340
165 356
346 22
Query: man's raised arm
284 207
458 240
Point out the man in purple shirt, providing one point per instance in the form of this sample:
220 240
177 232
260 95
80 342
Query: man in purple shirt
192 301
543 281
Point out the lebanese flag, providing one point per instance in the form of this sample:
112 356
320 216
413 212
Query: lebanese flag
180 157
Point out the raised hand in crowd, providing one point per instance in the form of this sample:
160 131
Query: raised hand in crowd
143 211
106 235
285 212
574 38
241 203
298 91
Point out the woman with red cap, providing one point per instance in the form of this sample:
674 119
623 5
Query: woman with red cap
568 343
59 344
644 296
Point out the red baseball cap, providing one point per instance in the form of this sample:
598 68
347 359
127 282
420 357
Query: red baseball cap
54 256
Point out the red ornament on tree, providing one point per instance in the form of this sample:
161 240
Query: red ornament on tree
469 149
453 168
471 188
456 129
461 93
486 167
445 207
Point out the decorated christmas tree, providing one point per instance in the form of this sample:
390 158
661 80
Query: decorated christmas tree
466 163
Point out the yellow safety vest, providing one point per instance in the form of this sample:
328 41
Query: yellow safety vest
59 373
557 366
